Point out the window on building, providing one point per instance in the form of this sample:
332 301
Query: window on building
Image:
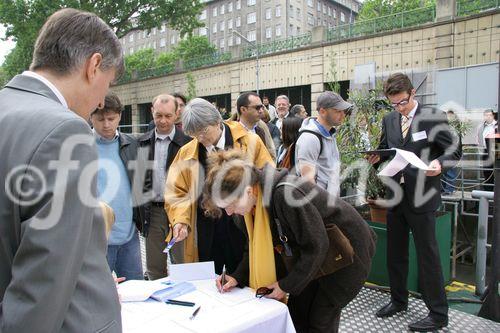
154 31
203 31
238 22
268 13
278 11
238 4
250 3
214 12
237 40
334 13
131 37
252 35
221 43
319 6
222 25
230 23
298 30
299 17
144 34
131 50
230 41
290 30
291 13
310 3
154 45
230 7
214 27
203 14
162 42
163 27
278 30
269 32
222 9
172 39
329 11
310 19
324 9
342 17
251 18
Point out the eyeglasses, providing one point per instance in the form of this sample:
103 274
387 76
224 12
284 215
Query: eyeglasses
402 102
256 107
262 291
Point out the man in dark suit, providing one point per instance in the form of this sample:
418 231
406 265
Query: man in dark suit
160 145
53 271
427 134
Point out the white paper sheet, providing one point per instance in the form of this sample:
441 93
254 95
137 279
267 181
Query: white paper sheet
234 297
194 271
138 290
400 161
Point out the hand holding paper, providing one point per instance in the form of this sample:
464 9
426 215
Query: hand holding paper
401 160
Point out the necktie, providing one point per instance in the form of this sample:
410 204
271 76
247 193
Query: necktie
405 125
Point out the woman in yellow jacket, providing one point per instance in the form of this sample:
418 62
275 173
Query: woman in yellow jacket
203 238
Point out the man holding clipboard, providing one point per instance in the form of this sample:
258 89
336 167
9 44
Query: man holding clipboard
427 134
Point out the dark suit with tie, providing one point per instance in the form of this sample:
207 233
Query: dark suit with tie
430 138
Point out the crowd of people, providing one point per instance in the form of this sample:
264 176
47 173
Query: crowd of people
257 194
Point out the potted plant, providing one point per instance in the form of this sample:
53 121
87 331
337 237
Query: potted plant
361 131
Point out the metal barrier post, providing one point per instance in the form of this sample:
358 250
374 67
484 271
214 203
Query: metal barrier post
482 235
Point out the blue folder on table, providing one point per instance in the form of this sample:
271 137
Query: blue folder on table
173 290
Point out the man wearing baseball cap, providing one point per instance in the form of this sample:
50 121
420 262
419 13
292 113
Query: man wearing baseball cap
316 151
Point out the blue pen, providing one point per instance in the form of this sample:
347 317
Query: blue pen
170 244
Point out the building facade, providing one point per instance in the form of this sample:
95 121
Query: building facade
261 21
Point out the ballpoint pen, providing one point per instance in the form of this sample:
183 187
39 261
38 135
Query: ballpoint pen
195 313
170 244
176 302
223 278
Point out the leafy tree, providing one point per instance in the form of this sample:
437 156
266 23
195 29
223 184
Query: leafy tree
194 47
24 18
376 8
140 60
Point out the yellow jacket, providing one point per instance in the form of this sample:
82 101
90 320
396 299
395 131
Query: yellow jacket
183 190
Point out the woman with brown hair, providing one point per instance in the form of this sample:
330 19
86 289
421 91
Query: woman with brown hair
271 205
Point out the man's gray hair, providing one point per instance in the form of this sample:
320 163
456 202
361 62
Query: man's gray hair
283 97
70 37
199 114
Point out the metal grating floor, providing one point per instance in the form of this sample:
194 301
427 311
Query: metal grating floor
359 316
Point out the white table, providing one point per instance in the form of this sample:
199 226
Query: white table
237 311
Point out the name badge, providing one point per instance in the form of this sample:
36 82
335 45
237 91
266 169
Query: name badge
419 136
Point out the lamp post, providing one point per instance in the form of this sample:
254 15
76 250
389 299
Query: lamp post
257 65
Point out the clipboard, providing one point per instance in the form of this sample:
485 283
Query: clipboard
380 152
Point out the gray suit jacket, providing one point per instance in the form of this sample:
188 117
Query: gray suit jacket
54 276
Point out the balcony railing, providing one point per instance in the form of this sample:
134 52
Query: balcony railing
382 24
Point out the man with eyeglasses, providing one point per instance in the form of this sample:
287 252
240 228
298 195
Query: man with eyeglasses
427 134
250 109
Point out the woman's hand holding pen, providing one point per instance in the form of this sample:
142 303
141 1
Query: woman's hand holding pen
230 283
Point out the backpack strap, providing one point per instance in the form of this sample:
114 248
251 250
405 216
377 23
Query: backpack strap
319 136
282 236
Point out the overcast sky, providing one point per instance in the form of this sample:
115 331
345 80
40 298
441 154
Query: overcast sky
5 46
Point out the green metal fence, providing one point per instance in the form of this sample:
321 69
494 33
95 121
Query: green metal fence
470 7
385 23
208 60
278 45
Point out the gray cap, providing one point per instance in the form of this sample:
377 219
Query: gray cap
329 99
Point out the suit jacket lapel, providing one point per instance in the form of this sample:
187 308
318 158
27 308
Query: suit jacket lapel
396 123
